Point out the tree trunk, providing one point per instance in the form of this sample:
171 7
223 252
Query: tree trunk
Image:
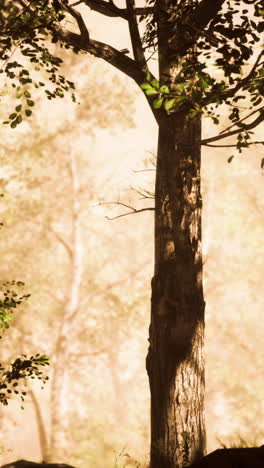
175 362
59 399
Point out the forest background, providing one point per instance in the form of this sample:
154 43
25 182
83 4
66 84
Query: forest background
55 174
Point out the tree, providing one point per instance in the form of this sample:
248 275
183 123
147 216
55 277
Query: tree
186 36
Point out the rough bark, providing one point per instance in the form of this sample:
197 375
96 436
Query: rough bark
175 362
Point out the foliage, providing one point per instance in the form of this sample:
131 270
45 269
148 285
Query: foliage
25 30
224 45
22 367
208 48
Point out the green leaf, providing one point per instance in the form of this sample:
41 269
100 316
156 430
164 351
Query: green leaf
20 283
30 103
164 89
28 112
18 108
151 91
148 77
13 124
230 159
169 104
155 83
13 116
204 84
145 86
180 86
158 103
27 94
192 113
60 92
19 119
180 99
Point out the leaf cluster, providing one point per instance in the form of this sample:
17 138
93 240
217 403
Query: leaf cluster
22 367
11 299
25 29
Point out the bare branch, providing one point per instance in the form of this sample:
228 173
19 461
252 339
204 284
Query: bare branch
134 35
133 210
108 53
61 240
84 34
238 122
242 128
234 146
76 3
143 170
103 51
145 194
108 8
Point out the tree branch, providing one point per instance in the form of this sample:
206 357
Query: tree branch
134 35
108 8
242 120
84 34
231 92
133 210
242 128
108 53
234 146
61 239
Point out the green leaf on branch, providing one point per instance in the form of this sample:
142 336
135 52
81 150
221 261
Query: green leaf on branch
164 89
151 91
19 119
30 103
180 99
28 112
158 103
180 86
145 86
169 104
155 83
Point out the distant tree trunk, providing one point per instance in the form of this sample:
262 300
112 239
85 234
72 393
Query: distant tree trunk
175 362
43 440
59 438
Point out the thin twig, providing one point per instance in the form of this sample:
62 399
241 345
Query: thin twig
242 120
144 170
241 83
243 128
234 146
131 212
